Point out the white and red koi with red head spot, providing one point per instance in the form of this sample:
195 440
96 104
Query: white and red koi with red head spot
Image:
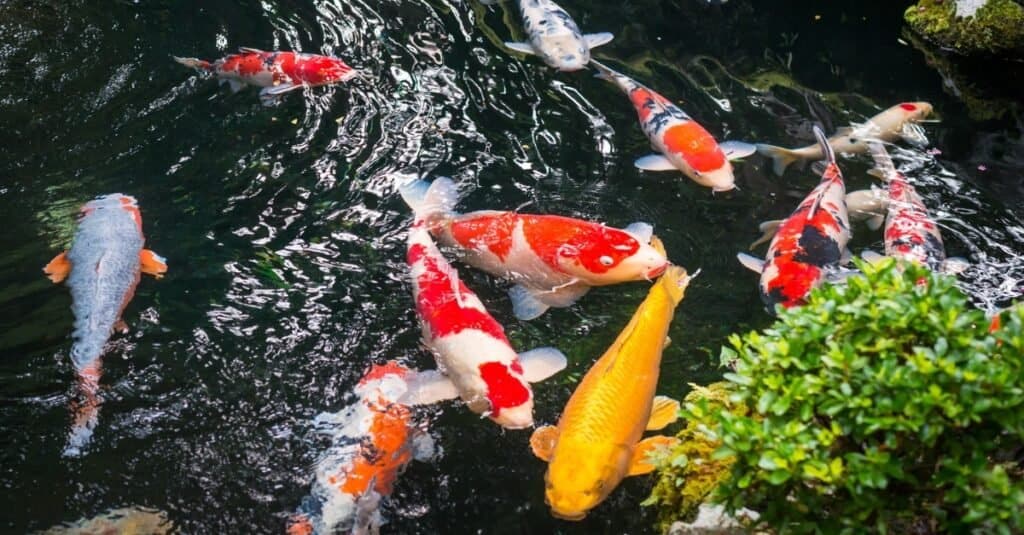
373 440
102 269
469 344
809 244
276 72
910 232
554 260
683 143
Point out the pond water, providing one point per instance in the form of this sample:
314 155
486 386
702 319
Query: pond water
285 237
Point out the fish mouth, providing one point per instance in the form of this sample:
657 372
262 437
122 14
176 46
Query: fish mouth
567 515
656 272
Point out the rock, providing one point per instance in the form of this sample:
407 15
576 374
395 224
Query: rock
970 27
713 520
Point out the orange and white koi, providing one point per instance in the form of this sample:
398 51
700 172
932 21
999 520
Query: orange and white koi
910 232
477 360
276 72
810 244
102 269
554 260
683 143
899 121
372 442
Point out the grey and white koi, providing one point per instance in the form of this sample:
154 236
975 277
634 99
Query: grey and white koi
555 37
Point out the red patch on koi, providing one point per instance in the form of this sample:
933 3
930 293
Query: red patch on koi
908 106
493 232
695 145
553 236
439 306
504 390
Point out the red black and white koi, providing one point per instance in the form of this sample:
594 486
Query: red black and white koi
276 72
554 260
867 205
470 346
372 441
899 121
910 232
683 143
555 37
809 244
102 269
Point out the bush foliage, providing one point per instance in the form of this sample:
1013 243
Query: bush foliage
883 404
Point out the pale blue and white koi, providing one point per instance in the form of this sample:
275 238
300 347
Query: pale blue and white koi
555 37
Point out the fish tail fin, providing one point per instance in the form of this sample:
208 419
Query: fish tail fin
826 147
884 168
430 200
781 158
674 282
195 63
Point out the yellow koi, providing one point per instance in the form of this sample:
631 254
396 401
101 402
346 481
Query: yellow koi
597 441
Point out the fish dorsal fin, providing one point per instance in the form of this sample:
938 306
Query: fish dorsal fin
58 268
249 50
640 463
664 411
152 263
542 442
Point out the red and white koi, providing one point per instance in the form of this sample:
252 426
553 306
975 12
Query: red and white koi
809 244
102 269
276 72
683 143
910 232
554 260
899 121
469 344
372 442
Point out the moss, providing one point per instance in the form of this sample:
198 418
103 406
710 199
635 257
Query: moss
691 472
996 28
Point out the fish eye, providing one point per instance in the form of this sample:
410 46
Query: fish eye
606 260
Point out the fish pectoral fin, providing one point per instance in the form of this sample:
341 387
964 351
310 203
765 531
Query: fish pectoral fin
913 133
525 305
524 48
235 85
664 411
879 174
955 265
279 89
428 387
654 162
152 263
58 268
753 264
875 222
595 40
735 150
641 463
248 50
542 442
768 230
540 363
641 231
871 257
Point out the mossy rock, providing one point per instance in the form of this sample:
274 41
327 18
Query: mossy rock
995 28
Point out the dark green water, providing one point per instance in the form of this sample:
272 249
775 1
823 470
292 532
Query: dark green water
285 238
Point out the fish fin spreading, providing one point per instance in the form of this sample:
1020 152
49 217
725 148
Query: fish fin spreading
768 230
194 63
595 40
428 387
605 72
524 48
753 264
913 134
543 441
152 263
249 50
429 200
955 265
884 168
872 257
735 150
279 89
423 447
540 363
641 464
781 158
654 162
879 174
875 222
664 411
641 231
59 268
525 305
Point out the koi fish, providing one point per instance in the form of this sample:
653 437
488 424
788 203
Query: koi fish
476 359
899 121
809 244
102 269
684 144
276 72
131 520
597 441
372 442
910 233
866 205
555 37
554 260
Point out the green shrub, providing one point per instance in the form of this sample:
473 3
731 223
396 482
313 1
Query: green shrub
883 404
